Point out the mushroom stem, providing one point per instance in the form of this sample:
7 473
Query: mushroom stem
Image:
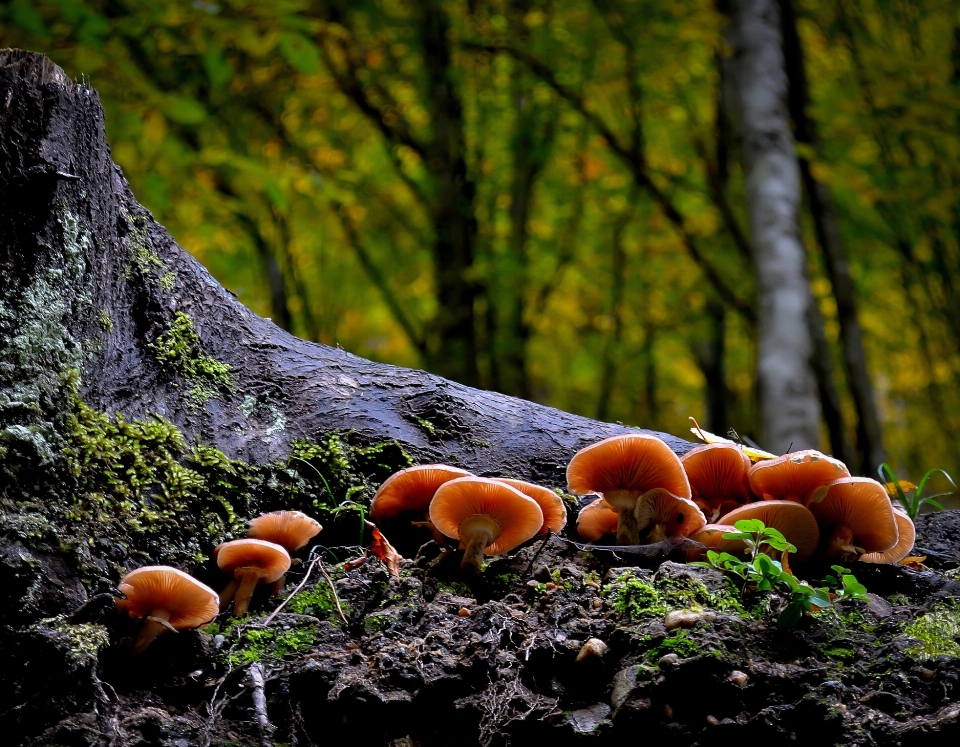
841 543
657 534
228 593
153 625
248 578
627 531
477 533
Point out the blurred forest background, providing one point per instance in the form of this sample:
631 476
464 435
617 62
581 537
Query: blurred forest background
547 198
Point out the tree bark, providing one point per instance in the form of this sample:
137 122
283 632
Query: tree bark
789 407
90 281
869 432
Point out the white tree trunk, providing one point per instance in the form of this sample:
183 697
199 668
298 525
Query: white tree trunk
789 405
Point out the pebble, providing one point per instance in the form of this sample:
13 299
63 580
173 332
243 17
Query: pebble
667 710
596 604
464 612
712 721
738 678
686 618
668 661
593 648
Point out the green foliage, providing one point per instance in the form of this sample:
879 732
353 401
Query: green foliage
760 573
179 350
912 504
263 644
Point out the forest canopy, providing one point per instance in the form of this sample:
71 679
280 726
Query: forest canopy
545 198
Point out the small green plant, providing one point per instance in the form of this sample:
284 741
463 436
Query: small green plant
898 489
759 572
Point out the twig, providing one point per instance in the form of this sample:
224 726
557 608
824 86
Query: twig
537 553
293 593
336 599
255 675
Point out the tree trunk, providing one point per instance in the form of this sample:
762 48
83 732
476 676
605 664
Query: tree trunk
869 432
789 407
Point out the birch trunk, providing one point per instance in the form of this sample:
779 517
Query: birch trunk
789 404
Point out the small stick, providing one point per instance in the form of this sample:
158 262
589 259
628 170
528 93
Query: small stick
293 593
537 553
333 588
255 675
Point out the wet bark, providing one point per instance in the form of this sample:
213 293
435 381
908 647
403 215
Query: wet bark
70 227
789 406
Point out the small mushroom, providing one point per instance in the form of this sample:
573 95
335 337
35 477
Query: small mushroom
718 477
907 536
795 476
249 562
597 519
165 599
289 529
660 514
622 469
856 518
486 516
554 512
792 520
409 492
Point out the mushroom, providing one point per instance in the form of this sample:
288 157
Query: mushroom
554 512
795 477
711 537
249 562
791 519
289 529
660 514
855 517
622 469
597 519
165 599
718 477
410 491
907 536
486 516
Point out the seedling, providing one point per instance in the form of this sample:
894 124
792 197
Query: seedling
759 572
898 489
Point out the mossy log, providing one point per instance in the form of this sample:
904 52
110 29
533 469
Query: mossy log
145 414
90 282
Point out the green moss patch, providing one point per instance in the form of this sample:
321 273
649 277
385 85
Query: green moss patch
935 633
179 350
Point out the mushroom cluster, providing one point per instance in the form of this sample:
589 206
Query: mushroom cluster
486 516
648 494
167 599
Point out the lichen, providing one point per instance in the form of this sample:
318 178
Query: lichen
142 258
106 323
179 350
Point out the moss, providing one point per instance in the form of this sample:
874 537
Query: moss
259 644
677 642
106 323
427 426
373 624
143 259
179 350
78 643
935 633
168 280
637 597
317 602
457 588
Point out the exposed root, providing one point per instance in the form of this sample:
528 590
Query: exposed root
257 682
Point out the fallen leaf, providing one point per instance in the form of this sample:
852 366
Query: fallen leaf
384 550
349 565
914 561
905 485
712 438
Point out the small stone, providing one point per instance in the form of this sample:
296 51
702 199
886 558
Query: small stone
596 604
593 648
464 612
686 618
218 640
927 674
738 678
532 584
550 586
712 720
668 661
667 710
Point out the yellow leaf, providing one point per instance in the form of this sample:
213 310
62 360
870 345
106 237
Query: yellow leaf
711 438
905 486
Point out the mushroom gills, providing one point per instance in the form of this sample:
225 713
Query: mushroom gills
476 533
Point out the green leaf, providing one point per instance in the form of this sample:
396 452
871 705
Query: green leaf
790 616
217 68
183 109
300 52
753 526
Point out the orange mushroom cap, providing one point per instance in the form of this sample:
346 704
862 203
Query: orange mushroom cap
907 536
795 476
271 560
596 519
152 588
411 489
664 515
633 463
855 512
554 512
518 517
717 475
795 522
289 529
711 537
